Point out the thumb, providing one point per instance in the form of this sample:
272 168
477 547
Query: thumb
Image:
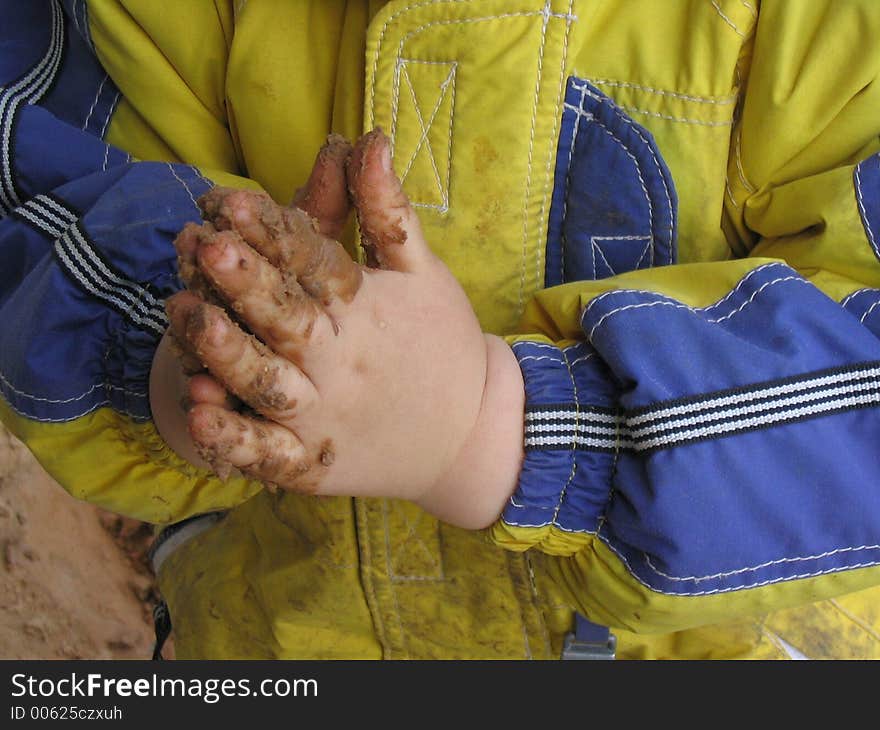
325 197
390 231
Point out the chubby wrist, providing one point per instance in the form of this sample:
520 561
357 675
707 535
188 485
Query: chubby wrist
474 491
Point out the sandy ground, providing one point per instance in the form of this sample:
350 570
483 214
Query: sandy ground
73 579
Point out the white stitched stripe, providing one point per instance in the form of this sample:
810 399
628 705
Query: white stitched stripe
854 401
154 318
710 418
123 286
572 415
40 223
826 381
48 202
30 88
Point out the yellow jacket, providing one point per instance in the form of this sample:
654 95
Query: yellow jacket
671 210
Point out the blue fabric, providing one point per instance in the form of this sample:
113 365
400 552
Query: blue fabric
865 305
86 243
24 36
734 433
866 181
573 382
614 204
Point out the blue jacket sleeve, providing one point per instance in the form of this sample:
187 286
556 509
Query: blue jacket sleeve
702 439
87 260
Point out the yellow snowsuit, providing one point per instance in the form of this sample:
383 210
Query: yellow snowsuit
746 124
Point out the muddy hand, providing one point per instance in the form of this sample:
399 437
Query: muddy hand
348 367
324 200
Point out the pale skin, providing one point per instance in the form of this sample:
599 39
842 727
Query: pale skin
359 381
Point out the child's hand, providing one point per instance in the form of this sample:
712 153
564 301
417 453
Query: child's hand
373 382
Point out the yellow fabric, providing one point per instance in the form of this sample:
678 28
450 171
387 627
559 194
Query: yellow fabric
470 92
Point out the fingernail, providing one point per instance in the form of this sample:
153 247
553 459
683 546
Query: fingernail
385 155
221 255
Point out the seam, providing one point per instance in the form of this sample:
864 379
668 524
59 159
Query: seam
719 100
541 345
573 449
73 399
856 620
528 190
366 565
737 145
110 110
715 591
90 409
548 168
563 236
390 572
94 103
726 19
683 120
679 305
730 192
411 533
869 310
582 114
28 89
864 212
542 357
752 568
631 124
546 14
849 297
776 641
185 186
750 7
447 86
537 603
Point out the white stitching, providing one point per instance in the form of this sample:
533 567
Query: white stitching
542 357
751 8
758 291
726 19
573 451
563 237
583 358
683 120
855 619
721 301
110 111
97 96
719 100
849 297
739 165
678 305
730 192
625 562
560 92
870 309
423 139
631 124
753 568
448 82
582 114
185 186
67 419
534 344
864 212
528 191
31 396
545 13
